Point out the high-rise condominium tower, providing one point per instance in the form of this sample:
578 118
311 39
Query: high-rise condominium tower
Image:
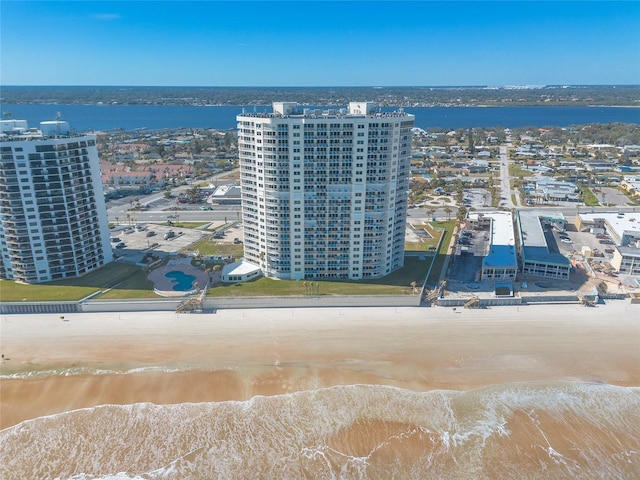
324 193
53 221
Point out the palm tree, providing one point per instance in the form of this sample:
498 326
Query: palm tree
448 211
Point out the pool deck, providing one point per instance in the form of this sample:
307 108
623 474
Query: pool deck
164 286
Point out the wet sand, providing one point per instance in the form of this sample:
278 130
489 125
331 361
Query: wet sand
237 354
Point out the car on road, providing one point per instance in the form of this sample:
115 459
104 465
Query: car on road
205 207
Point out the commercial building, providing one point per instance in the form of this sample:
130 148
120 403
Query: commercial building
539 252
53 221
324 192
501 261
623 228
624 231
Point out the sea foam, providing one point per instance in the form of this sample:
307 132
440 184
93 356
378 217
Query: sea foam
527 430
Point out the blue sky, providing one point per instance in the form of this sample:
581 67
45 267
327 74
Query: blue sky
306 43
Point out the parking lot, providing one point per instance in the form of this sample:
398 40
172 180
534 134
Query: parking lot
138 241
470 250
584 239
476 198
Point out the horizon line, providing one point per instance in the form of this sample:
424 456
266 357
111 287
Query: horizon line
506 86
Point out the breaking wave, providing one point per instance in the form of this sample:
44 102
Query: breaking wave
524 430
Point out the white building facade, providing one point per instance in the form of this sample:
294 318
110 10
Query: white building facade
324 193
53 220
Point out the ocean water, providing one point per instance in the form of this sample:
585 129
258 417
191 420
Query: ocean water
130 117
522 430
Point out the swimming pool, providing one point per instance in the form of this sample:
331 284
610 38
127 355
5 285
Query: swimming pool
184 280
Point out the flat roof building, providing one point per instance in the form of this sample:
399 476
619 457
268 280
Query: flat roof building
53 220
324 192
501 261
539 252
623 228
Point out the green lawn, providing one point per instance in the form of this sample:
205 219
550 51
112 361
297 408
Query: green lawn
517 171
438 261
109 276
128 281
211 246
397 283
189 224
588 197
136 285
425 245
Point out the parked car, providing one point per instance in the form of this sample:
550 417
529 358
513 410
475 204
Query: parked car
566 240
607 242
169 235
121 245
150 233
115 239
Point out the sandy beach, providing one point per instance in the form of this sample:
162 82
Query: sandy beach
53 365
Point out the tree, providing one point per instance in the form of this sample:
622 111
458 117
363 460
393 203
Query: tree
472 148
193 194
448 211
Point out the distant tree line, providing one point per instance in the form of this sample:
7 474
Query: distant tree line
620 95
616 134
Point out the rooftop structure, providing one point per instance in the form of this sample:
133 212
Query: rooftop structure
226 194
53 220
623 228
324 192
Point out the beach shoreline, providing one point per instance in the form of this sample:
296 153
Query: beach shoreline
54 365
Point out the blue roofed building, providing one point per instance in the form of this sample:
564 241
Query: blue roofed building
501 261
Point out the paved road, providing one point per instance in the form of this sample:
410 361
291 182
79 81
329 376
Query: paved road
505 187
159 209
